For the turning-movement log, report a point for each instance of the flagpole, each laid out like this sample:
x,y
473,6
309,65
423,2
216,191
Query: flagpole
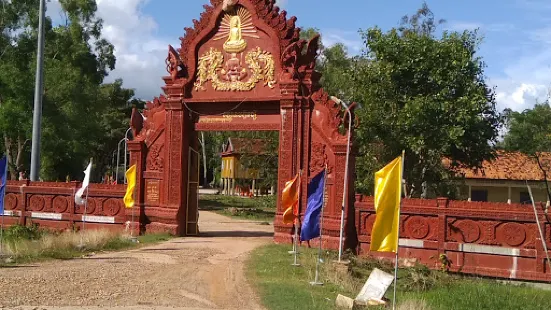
x,y
539,224
295,263
85,206
316,279
398,236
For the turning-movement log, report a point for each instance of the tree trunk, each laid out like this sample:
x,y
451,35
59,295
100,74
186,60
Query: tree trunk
x,y
11,166
21,143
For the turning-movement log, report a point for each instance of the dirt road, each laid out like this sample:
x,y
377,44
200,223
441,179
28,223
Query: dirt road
x,y
184,273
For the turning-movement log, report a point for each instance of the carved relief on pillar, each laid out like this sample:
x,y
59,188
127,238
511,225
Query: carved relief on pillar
x,y
155,158
175,153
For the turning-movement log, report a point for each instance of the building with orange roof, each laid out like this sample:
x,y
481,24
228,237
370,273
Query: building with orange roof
x,y
504,178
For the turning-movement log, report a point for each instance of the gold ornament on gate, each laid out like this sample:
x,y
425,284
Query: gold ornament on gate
x,y
236,24
231,72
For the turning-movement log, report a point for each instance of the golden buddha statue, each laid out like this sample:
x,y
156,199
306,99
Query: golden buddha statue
x,y
236,24
235,42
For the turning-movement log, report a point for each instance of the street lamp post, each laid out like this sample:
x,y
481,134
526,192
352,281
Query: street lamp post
x,y
38,93
345,192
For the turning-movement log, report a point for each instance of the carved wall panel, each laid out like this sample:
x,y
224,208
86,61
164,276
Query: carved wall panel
x,y
493,239
10,201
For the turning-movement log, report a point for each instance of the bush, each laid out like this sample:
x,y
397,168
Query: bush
x,y
18,232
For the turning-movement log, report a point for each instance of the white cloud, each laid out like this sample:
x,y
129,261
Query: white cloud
x,y
527,79
139,50
350,39
461,26
281,3
518,95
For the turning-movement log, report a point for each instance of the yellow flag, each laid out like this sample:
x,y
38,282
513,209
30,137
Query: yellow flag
x,y
388,185
131,179
289,200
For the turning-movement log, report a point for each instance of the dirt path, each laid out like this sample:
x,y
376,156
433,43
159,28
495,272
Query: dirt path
x,y
184,273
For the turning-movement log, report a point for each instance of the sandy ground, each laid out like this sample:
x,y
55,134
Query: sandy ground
x,y
185,273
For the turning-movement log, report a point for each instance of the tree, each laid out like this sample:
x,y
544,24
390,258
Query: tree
x,y
529,131
266,162
82,117
425,95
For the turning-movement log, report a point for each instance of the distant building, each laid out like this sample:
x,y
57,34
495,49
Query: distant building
x,y
504,179
232,168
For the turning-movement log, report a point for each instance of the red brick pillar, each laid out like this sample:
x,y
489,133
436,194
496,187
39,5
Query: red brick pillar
x,y
137,157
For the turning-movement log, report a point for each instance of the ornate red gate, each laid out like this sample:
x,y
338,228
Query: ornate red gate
x,y
242,66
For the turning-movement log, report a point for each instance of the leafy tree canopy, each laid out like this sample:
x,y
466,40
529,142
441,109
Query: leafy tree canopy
x,y
419,92
82,117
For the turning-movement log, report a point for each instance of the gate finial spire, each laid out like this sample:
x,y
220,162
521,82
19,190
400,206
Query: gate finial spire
x,y
228,5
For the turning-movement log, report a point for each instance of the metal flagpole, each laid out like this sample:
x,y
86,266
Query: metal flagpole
x,y
293,251
398,237
38,94
316,280
539,224
295,263
345,191
132,238
84,216
85,206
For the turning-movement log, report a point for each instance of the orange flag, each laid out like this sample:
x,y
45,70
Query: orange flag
x,y
289,200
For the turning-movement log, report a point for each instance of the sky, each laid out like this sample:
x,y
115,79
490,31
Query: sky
x,y
516,44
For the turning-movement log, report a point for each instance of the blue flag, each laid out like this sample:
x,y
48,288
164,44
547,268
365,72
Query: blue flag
x,y
311,223
3,181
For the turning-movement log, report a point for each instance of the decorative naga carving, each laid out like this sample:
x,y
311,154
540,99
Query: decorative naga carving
x,y
153,118
309,58
327,115
227,75
136,122
291,58
174,64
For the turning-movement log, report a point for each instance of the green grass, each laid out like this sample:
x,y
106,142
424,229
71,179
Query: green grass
x,y
257,209
26,244
282,286
483,294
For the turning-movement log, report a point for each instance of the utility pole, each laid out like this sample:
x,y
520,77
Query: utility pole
x,y
38,93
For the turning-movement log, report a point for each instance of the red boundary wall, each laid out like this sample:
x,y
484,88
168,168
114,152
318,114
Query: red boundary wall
x,y
52,206
488,239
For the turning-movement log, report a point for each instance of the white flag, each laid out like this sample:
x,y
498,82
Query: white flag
x,y
78,196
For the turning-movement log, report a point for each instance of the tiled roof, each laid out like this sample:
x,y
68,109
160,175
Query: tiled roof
x,y
510,166
242,146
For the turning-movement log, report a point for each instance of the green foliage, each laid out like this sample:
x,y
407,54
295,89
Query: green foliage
x,y
529,131
19,232
282,286
82,117
266,162
419,93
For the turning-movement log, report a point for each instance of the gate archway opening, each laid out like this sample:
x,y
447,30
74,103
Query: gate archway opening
x,y
241,58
